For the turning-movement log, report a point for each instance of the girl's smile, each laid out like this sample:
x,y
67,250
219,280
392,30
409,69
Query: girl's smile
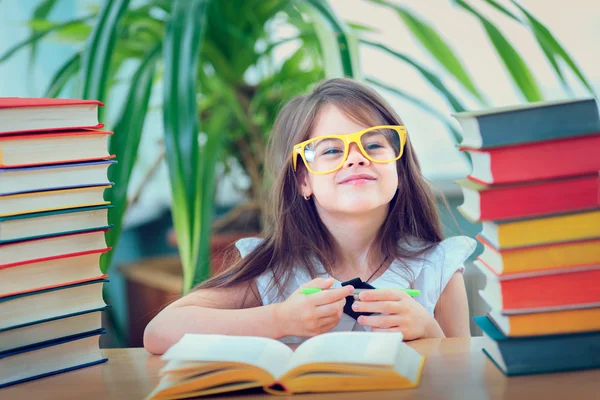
x,y
358,179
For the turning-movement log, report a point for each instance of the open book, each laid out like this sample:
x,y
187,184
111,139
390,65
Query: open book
x,y
201,365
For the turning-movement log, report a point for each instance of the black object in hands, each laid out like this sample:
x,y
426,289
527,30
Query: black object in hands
x,y
357,283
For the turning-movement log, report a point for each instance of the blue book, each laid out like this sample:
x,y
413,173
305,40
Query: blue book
x,y
539,354
528,123
54,177
50,303
51,358
43,331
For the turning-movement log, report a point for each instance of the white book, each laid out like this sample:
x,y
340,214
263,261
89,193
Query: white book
x,y
53,148
24,226
50,303
27,203
55,246
53,177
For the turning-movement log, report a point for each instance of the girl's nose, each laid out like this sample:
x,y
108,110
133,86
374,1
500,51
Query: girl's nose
x,y
355,156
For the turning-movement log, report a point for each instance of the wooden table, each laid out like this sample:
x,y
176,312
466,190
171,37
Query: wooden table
x,y
454,369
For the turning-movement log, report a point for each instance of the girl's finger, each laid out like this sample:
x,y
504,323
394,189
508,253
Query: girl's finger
x,y
329,310
390,329
382,294
330,296
328,323
319,282
390,307
378,321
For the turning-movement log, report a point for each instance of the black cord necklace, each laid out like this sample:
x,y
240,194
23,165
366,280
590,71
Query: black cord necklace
x,y
378,268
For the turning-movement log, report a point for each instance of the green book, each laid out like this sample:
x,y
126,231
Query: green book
x,y
21,227
528,123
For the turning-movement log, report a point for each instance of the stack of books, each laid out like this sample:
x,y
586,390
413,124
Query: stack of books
x,y
53,217
535,188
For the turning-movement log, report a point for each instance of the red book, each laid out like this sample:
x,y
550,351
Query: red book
x,y
18,114
500,202
544,290
536,161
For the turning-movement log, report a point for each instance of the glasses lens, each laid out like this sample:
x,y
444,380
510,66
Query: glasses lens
x,y
381,144
325,154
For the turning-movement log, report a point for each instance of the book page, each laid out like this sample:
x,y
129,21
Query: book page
x,y
408,363
268,354
378,348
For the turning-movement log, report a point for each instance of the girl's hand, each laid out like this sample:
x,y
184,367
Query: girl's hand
x,y
308,315
404,314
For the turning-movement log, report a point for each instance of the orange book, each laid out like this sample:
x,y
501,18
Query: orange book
x,y
548,322
536,258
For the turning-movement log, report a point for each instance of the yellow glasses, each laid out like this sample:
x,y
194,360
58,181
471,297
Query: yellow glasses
x,y
325,154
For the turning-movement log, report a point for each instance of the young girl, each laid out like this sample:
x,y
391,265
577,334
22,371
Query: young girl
x,y
349,201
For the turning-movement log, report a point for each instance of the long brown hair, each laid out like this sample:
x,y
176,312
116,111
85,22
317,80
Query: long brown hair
x,y
294,234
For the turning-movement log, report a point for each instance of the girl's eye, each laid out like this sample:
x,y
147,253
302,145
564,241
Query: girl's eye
x,y
332,151
373,146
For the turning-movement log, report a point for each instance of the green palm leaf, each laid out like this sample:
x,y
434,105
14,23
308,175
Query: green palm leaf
x,y
427,74
124,144
550,55
419,103
98,52
181,48
63,75
210,153
436,46
552,49
503,10
40,35
40,12
517,68
339,46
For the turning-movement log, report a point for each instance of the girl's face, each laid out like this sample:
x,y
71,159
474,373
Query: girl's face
x,y
360,185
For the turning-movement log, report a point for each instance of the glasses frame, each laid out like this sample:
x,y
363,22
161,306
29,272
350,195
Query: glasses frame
x,y
348,139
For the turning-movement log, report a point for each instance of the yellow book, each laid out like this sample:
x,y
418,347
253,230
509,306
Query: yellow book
x,y
537,258
548,323
200,365
545,230
49,200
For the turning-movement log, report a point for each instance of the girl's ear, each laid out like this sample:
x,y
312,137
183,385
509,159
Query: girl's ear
x,y
303,182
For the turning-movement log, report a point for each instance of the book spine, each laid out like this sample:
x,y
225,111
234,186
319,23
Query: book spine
x,y
52,373
539,355
545,160
555,229
550,197
566,289
540,124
